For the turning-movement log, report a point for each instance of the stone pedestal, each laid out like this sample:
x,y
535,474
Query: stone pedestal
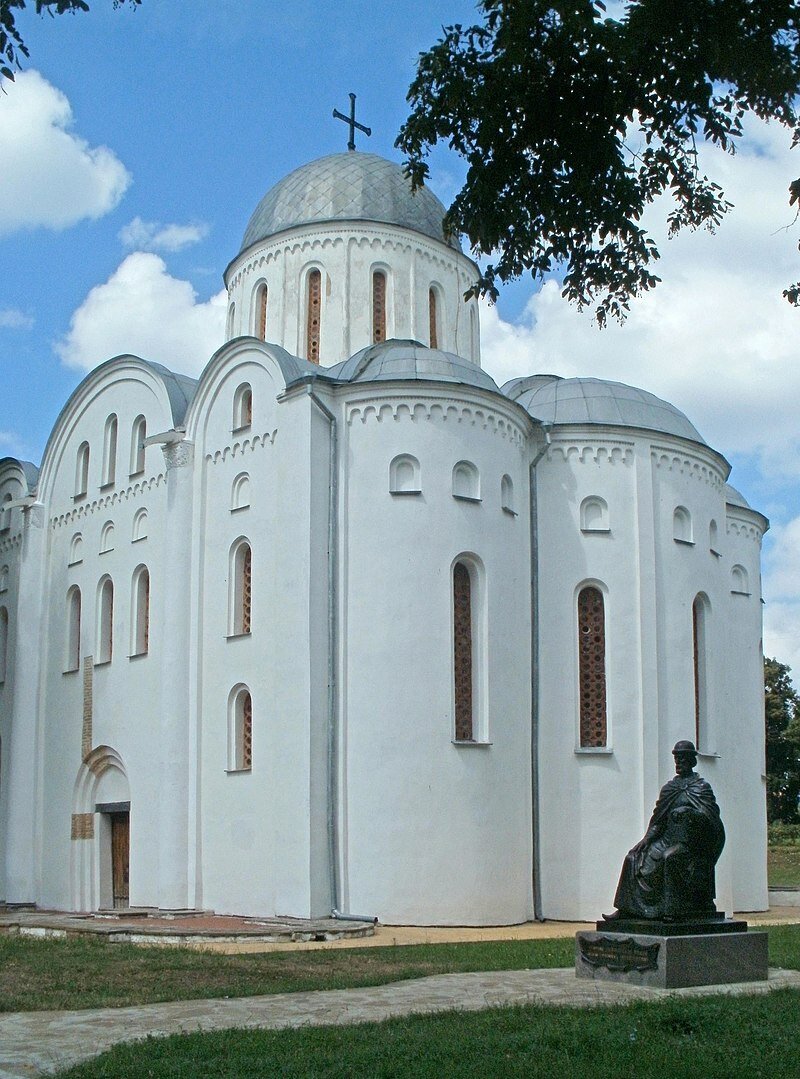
x,y
672,962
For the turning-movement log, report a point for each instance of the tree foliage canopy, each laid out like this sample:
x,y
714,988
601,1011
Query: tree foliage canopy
x,y
782,714
12,47
572,122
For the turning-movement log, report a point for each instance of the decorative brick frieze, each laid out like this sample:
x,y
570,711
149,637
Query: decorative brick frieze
x,y
595,452
669,460
236,449
442,411
88,509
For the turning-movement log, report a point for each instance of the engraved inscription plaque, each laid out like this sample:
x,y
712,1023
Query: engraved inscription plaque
x,y
619,954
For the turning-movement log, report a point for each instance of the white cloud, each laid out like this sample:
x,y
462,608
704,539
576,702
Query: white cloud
x,y
11,318
141,309
51,176
153,236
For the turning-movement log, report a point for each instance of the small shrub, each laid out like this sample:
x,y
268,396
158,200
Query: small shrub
x,y
783,835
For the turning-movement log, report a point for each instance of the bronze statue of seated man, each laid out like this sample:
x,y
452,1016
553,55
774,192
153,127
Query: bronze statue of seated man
x,y
669,874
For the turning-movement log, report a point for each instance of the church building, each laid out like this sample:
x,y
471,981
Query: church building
x,y
344,625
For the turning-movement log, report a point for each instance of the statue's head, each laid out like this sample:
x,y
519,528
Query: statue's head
x,y
685,756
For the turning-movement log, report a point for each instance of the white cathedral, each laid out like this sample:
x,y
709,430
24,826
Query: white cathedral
x,y
343,625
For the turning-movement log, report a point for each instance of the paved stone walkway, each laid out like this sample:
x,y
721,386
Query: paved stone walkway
x,y
36,1043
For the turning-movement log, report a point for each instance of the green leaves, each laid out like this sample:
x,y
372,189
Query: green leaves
x,y
572,123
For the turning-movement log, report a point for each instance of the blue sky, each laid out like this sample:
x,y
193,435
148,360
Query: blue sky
x,y
137,143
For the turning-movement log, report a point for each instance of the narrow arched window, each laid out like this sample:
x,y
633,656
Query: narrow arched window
x,y
507,494
240,492
378,306
463,653
242,407
5,514
72,659
231,317
313,316
433,317
700,662
594,514
107,537
261,312
105,621
140,610
592,668
76,549
241,587
3,578
139,525
240,730
466,481
739,580
110,452
473,333
3,642
82,470
138,435
404,475
682,525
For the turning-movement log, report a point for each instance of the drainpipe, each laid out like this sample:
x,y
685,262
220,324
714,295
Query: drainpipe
x,y
534,536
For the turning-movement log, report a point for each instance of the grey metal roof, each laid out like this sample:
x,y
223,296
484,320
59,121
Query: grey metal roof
x,y
395,359
29,471
555,400
180,388
735,498
347,187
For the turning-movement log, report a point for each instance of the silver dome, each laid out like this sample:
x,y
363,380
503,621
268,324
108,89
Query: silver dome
x,y
556,400
347,187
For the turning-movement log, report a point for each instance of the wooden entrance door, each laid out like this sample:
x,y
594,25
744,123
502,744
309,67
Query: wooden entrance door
x,y
120,858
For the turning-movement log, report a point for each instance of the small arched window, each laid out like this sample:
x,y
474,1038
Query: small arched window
x,y
240,492
713,537
378,306
404,475
474,336
82,470
231,318
107,537
241,589
466,481
434,316
140,611
3,578
592,668
72,659
240,730
261,312
740,581
507,494
76,549
139,525
313,315
682,525
110,452
700,609
105,621
138,435
594,514
242,407
3,642
5,514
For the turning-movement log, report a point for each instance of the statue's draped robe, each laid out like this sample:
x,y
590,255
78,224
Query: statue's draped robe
x,y
672,876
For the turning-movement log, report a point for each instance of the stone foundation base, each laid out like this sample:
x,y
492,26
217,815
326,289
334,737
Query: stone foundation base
x,y
672,962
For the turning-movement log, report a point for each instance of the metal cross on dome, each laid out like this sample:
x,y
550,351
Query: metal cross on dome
x,y
353,123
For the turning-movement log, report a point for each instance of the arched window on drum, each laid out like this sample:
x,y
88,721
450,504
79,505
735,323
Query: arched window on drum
x,y
591,619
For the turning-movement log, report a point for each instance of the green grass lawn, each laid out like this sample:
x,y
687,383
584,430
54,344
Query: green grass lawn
x,y
91,973
783,866
82,972
713,1038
